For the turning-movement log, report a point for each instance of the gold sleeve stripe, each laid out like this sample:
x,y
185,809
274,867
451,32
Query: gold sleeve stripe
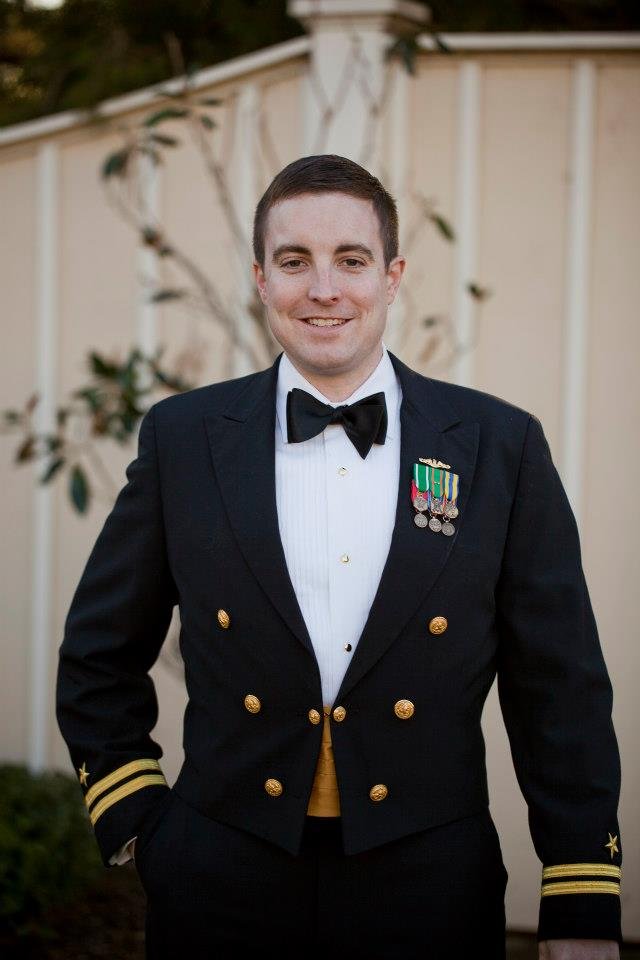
x,y
579,886
150,780
582,869
116,776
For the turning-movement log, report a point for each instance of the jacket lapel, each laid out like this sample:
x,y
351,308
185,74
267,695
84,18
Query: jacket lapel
x,y
429,427
242,446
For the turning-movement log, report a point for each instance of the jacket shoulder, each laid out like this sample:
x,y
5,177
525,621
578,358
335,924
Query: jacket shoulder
x,y
211,398
486,408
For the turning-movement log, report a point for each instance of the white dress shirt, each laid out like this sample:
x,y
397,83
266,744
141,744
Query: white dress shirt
x,y
336,514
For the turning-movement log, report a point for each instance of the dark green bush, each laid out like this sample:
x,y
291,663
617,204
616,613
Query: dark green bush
x,y
47,848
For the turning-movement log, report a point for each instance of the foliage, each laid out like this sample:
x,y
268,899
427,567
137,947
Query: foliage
x,y
47,848
88,50
109,406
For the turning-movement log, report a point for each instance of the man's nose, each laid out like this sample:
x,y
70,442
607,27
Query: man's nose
x,y
323,287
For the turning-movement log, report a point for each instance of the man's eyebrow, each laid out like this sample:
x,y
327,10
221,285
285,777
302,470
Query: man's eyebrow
x,y
341,248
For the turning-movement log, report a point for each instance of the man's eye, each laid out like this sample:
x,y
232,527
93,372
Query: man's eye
x,y
358,263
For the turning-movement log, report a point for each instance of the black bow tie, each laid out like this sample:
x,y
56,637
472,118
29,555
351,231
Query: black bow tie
x,y
364,422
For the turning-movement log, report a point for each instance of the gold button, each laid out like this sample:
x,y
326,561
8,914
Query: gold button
x,y
378,792
404,709
345,558
252,703
314,716
223,618
339,714
438,625
342,471
273,787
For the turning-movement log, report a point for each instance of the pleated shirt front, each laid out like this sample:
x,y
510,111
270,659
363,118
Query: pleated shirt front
x,y
336,514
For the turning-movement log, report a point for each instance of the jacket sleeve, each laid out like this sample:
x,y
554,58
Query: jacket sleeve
x,y
556,701
118,619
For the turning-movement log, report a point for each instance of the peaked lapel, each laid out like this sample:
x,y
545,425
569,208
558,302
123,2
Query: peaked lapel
x,y
242,444
429,427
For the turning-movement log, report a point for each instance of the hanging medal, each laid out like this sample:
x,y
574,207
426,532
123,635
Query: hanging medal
x,y
434,490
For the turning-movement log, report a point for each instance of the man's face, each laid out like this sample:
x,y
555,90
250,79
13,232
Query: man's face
x,y
324,261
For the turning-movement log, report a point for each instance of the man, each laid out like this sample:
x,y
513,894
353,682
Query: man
x,y
356,551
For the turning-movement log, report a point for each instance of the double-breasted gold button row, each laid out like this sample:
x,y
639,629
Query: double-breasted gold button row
x,y
377,792
402,709
437,625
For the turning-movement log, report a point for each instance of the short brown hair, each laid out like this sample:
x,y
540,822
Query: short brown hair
x,y
328,173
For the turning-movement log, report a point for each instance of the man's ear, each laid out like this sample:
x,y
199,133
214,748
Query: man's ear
x,y
394,276
258,274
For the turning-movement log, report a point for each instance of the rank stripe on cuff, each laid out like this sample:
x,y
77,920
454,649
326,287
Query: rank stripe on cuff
x,y
120,773
582,870
579,886
149,780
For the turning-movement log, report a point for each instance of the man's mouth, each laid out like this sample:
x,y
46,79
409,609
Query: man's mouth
x,y
326,321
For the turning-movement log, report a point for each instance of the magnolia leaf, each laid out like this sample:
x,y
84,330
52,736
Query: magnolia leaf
x,y
102,367
116,163
207,122
210,101
26,450
443,226
55,464
167,113
161,296
79,488
163,139
478,292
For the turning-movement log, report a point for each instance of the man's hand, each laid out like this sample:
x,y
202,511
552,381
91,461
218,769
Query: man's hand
x,y
578,950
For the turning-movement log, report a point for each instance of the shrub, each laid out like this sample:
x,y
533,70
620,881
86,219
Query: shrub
x,y
47,849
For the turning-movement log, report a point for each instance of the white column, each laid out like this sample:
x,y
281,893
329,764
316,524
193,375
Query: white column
x,y
40,701
578,283
466,216
398,134
346,71
148,262
244,196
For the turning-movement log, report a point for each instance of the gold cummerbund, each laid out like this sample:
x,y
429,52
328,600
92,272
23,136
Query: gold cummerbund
x,y
325,799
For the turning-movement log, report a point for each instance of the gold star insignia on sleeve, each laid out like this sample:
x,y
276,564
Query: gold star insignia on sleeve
x,y
83,773
612,846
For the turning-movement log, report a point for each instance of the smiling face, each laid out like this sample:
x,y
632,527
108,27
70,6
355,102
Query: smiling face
x,y
325,287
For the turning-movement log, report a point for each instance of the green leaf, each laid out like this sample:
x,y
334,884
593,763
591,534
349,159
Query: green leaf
x,y
443,226
207,122
210,101
55,464
167,113
12,416
101,367
163,139
26,450
161,296
79,488
478,292
116,163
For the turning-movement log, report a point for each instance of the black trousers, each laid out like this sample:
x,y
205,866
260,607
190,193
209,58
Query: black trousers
x,y
212,889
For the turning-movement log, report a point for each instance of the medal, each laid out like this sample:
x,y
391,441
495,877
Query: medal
x,y
434,489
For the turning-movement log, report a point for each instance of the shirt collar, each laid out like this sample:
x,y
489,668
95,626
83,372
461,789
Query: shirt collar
x,y
383,378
